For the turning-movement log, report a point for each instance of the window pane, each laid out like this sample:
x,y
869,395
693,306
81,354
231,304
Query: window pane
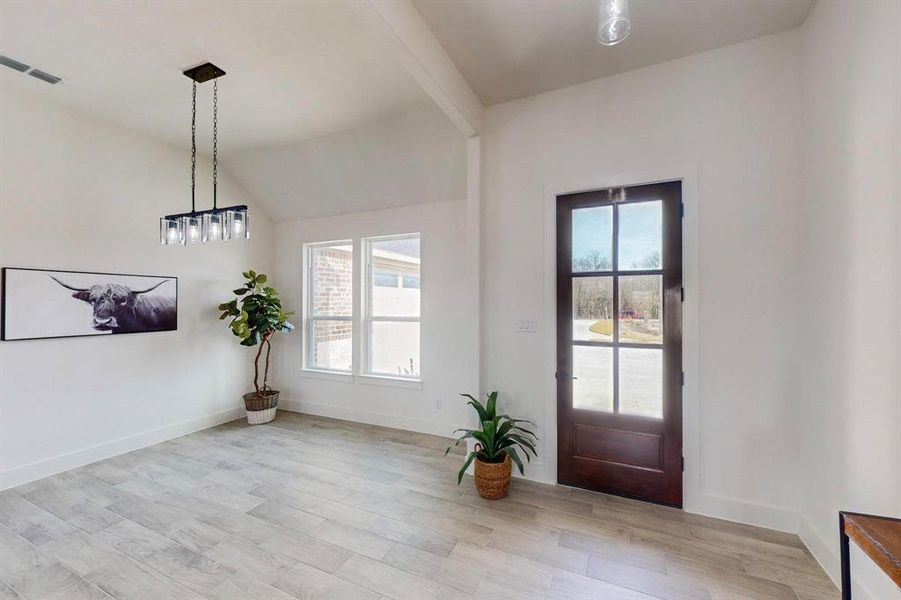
x,y
397,258
641,309
593,378
330,345
331,292
641,382
640,236
592,231
395,348
593,308
380,279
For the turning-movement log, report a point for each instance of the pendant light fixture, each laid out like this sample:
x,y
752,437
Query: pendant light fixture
x,y
215,224
613,21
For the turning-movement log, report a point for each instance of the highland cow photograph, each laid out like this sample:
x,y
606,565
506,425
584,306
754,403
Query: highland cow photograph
x,y
39,304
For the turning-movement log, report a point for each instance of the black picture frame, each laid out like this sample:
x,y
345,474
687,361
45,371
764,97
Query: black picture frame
x,y
4,292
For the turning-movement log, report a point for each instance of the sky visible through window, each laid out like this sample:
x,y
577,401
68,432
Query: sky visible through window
x,y
641,227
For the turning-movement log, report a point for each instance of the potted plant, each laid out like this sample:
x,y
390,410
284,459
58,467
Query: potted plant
x,y
257,315
495,450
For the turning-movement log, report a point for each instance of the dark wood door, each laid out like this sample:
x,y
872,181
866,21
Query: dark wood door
x,y
619,341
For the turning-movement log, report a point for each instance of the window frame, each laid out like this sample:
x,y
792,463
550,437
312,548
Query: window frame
x,y
367,318
309,318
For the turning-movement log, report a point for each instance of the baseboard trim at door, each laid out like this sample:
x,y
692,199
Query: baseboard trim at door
x,y
26,473
744,511
370,418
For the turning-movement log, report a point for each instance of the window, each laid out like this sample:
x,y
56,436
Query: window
x,y
391,306
328,330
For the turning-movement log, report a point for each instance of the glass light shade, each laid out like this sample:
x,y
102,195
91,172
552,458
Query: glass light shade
x,y
238,224
171,231
192,228
214,229
613,22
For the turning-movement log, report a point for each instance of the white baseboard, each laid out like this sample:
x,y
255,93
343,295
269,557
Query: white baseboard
x,y
743,511
371,418
63,462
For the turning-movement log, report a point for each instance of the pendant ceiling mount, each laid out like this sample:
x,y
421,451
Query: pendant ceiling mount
x,y
215,224
205,72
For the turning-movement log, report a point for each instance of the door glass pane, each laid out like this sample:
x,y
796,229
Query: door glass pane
x,y
592,239
640,236
395,266
593,308
593,378
395,348
330,345
641,309
641,382
332,280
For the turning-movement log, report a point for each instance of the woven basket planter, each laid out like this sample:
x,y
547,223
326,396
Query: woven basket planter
x,y
260,408
493,479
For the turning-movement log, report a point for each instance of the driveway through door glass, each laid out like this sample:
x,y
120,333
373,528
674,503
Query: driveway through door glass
x,y
619,341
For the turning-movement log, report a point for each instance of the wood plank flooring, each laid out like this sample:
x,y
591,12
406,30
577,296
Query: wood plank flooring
x,y
320,509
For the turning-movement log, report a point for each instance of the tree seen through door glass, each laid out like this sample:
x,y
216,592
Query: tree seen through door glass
x,y
593,308
641,309
592,239
640,236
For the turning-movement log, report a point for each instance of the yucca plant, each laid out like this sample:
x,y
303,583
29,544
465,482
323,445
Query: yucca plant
x,y
499,437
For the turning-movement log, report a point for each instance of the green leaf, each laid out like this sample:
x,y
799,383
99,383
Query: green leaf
x,y
251,274
513,455
483,415
260,279
492,404
240,291
466,464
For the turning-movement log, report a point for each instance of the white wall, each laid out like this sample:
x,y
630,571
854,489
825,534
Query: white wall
x,y
850,407
417,156
728,121
446,339
80,194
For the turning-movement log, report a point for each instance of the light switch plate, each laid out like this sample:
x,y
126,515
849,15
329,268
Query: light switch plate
x,y
525,325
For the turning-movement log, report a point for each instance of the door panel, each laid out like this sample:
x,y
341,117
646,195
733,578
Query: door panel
x,y
619,341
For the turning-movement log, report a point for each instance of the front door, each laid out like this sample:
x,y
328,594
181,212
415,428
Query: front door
x,y
619,341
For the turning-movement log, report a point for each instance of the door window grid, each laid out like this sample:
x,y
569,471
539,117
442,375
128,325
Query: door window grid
x,y
616,273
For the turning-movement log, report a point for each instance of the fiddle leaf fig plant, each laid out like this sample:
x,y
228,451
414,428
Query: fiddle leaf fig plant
x,y
498,437
256,315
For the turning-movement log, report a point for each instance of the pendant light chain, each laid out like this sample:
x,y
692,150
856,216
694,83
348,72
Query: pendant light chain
x,y
215,134
193,144
212,224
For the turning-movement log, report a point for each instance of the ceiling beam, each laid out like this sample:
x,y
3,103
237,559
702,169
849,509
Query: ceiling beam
x,y
406,33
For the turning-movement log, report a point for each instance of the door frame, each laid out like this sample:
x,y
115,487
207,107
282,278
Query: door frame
x,y
689,175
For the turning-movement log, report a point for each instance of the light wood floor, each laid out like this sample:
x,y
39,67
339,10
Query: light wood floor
x,y
313,508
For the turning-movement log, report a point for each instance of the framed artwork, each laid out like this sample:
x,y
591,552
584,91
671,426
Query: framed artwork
x,y
41,303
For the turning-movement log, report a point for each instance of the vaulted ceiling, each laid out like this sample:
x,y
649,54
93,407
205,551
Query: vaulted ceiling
x,y
508,49
326,108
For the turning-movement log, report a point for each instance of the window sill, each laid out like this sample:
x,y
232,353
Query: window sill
x,y
340,376
385,380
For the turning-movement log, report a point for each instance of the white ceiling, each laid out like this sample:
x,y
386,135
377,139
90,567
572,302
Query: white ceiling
x,y
296,70
416,157
508,49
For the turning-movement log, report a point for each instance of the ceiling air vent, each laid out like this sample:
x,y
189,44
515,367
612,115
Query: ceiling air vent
x,y
44,76
13,64
23,68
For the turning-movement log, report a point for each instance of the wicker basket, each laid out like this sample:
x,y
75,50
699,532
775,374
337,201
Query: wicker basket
x,y
493,479
260,408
